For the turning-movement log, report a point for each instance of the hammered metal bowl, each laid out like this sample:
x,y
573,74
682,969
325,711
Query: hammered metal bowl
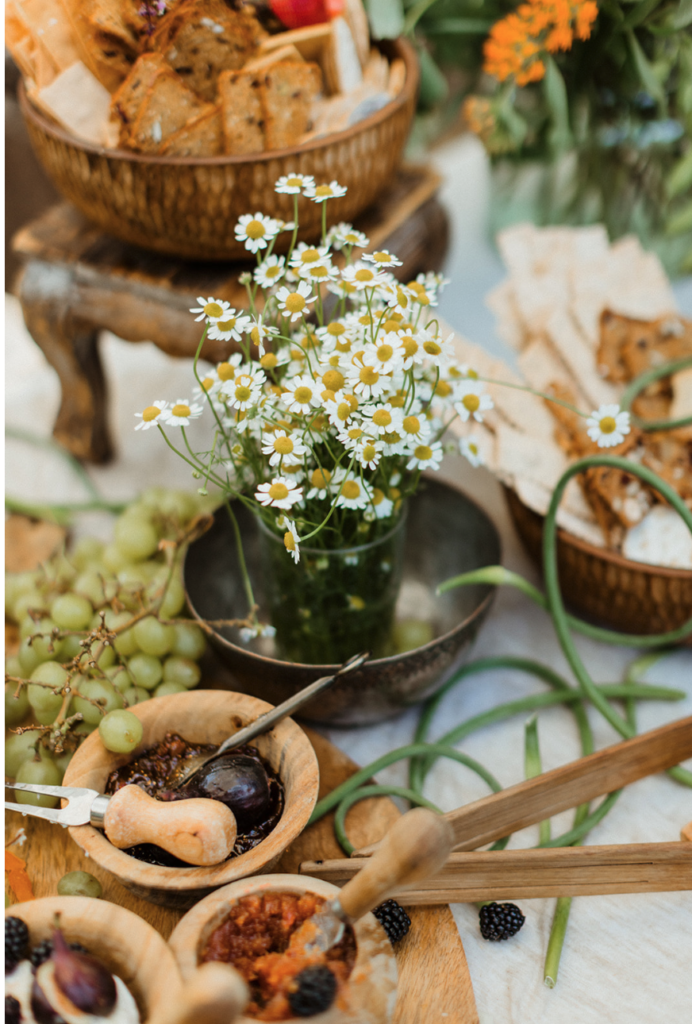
x,y
447,534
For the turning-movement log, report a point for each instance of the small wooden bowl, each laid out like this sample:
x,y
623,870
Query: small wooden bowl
x,y
630,597
372,983
189,207
200,716
125,944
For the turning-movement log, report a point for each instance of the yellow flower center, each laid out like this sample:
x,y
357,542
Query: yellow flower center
x,y
324,190
398,401
269,361
255,229
333,379
355,433
320,423
255,335
295,302
297,353
364,274
377,496
343,346
309,256
369,452
150,413
356,603
473,447
283,445
391,325
302,394
319,272
207,383
320,478
351,490
411,424
472,374
382,418
351,238
607,425
343,412
227,325
294,182
402,298
381,257
289,541
432,348
392,438
181,410
273,271
348,288
278,492
385,352
243,393
213,309
443,389
336,329
368,376
471,402
225,371
423,452
327,395
410,346
365,320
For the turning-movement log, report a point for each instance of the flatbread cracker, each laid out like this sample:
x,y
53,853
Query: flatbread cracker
x,y
242,116
166,109
340,63
287,93
51,30
78,102
201,137
127,100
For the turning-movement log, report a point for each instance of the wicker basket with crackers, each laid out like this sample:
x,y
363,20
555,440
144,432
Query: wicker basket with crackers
x,y
114,86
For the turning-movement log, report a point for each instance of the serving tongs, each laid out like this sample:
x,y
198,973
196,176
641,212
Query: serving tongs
x,y
568,871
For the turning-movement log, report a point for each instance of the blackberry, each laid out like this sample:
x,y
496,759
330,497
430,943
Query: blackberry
x,y
13,1011
16,941
500,921
315,992
42,952
393,919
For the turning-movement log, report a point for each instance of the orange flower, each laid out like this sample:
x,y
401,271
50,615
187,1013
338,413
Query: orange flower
x,y
514,48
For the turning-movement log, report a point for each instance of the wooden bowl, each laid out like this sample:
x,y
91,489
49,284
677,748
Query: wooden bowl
x,y
200,716
630,597
126,945
372,983
189,207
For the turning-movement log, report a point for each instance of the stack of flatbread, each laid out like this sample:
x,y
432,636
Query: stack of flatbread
x,y
203,79
587,317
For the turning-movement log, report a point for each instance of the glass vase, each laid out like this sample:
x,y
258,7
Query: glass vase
x,y
333,603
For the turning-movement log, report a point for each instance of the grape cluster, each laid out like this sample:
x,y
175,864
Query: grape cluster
x,y
107,620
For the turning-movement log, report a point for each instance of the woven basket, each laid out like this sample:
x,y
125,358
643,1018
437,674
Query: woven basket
x,y
630,597
189,207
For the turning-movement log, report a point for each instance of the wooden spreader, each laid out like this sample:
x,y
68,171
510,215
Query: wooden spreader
x,y
570,871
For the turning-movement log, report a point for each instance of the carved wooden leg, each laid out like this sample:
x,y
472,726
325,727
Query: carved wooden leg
x,y
70,346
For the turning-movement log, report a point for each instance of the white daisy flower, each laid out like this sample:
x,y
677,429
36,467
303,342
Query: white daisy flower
x,y
341,409
320,480
210,309
420,294
256,231
608,425
293,304
293,184
292,540
345,234
415,429
468,447
369,452
426,456
353,493
351,436
183,412
361,276
270,271
272,360
209,387
472,400
309,255
320,193
383,506
437,350
319,273
365,379
243,391
282,445
395,443
280,493
151,416
386,354
231,327
382,258
347,290
384,417
260,332
302,394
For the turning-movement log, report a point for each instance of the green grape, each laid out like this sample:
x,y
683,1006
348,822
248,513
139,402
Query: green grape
x,y
48,717
13,666
27,627
183,671
40,697
18,747
100,690
16,584
136,538
120,678
153,637
70,648
174,599
97,587
70,611
114,559
189,641
63,761
28,657
86,551
146,670
133,580
80,883
30,599
59,569
105,659
16,708
84,728
46,648
41,773
136,695
125,643
165,689
120,731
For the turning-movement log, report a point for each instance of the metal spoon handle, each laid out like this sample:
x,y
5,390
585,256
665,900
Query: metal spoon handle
x,y
270,718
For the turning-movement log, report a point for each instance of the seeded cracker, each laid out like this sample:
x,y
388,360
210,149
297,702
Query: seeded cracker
x,y
242,118
126,102
287,93
201,136
166,109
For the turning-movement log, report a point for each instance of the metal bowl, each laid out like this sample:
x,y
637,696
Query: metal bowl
x,y
447,534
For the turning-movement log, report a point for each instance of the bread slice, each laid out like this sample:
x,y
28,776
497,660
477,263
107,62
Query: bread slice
x,y
287,94
127,100
340,61
202,136
106,36
166,108
309,41
267,60
242,116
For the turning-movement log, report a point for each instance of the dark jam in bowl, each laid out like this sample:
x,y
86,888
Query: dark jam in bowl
x,y
152,770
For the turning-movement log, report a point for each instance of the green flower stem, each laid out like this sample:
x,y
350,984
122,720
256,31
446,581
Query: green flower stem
x,y
533,767
556,941
649,377
362,794
497,575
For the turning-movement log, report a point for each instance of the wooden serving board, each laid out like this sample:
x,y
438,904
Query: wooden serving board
x,y
434,982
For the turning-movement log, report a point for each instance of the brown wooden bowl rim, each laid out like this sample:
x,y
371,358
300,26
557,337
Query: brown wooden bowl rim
x,y
404,49
610,556
293,821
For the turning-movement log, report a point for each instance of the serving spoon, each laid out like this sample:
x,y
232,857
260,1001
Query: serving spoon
x,y
187,769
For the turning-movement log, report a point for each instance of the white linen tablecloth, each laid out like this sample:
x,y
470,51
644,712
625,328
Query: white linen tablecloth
x,y
627,959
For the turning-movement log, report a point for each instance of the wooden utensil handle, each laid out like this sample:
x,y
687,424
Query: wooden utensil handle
x,y
215,995
200,832
415,847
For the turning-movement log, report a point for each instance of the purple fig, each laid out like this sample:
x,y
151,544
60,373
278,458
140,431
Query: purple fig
x,y
82,978
238,781
41,1007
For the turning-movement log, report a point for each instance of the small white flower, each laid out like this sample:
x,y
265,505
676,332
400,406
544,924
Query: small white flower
x,y
361,276
281,445
351,436
210,309
309,255
382,258
260,332
472,400
439,351
608,425
256,231
293,304
415,429
270,271
151,416
383,506
345,234
353,493
369,452
280,493
426,456
319,273
320,480
468,447
320,193
386,354
420,294
209,388
365,379
341,409
183,412
292,540
302,394
293,184
231,327
384,418
244,390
